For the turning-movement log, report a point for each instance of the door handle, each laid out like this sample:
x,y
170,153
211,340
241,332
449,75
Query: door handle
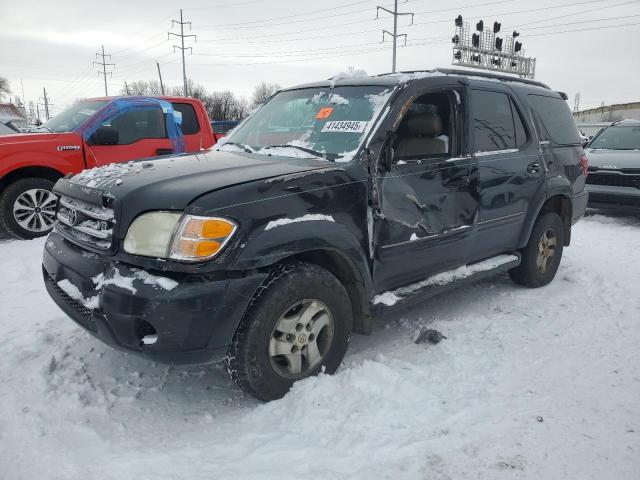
x,y
164,151
533,168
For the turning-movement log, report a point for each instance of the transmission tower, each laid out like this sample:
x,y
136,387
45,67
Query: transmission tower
x,y
104,65
395,33
576,103
182,48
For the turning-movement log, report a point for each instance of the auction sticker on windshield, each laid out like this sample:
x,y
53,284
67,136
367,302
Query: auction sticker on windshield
x,y
345,126
324,113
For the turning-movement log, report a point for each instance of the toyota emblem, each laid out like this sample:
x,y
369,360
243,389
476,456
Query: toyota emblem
x,y
72,217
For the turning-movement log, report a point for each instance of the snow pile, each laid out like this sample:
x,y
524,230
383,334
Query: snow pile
x,y
309,217
347,75
530,384
109,175
74,292
126,282
333,98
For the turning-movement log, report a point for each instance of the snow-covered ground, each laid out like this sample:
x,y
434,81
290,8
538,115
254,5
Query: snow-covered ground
x,y
529,384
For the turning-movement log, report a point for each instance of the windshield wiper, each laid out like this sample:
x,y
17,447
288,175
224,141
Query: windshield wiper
x,y
246,148
304,149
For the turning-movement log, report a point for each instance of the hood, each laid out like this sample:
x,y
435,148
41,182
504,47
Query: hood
x,y
613,159
172,182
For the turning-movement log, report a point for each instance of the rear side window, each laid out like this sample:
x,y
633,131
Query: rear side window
x,y
496,123
190,123
557,119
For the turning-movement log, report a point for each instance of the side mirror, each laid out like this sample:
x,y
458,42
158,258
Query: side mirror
x,y
104,136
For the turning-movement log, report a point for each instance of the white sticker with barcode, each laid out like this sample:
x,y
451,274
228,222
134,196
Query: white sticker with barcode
x,y
347,126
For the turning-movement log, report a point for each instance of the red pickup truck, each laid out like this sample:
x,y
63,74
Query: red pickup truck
x,y
91,133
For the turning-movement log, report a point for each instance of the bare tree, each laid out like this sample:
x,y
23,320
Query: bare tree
x,y
142,87
262,93
4,87
219,105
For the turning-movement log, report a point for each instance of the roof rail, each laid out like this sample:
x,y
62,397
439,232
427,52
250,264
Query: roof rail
x,y
469,73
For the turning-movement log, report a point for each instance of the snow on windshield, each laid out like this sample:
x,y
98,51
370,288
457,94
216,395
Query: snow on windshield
x,y
329,123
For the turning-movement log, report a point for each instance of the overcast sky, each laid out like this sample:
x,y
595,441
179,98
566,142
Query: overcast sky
x,y
52,43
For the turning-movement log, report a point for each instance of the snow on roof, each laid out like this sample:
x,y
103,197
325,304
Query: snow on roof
x,y
10,111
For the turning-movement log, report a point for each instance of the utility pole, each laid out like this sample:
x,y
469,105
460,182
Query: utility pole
x,y
46,103
104,65
395,33
182,48
160,75
126,87
23,100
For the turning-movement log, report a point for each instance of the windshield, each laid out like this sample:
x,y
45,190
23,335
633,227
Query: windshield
x,y
618,138
73,116
314,122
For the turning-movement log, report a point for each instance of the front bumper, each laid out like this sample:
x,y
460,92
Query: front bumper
x,y
613,197
194,322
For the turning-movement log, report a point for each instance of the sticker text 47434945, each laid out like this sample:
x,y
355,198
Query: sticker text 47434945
x,y
346,126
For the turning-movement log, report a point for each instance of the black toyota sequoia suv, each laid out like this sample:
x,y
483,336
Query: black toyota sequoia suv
x,y
333,201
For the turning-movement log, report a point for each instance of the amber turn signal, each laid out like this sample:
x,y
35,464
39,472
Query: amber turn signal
x,y
200,238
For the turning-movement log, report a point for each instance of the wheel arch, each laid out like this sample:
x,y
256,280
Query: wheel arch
x,y
557,202
30,172
329,245
342,267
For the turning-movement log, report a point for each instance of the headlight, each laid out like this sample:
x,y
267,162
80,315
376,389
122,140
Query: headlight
x,y
177,236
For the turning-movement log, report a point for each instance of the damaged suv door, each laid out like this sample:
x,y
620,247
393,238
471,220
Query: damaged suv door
x,y
428,188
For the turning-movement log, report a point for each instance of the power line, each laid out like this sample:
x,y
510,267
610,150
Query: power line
x,y
436,40
182,48
395,33
104,68
268,38
266,21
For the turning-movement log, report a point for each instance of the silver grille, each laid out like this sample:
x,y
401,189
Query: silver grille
x,y
84,223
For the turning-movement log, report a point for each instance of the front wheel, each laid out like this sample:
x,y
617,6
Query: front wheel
x,y
541,257
297,325
28,208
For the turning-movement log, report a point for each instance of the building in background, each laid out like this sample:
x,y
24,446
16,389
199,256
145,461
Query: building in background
x,y
609,113
13,116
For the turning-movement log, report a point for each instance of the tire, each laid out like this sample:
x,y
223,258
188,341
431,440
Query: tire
x,y
21,197
292,295
541,257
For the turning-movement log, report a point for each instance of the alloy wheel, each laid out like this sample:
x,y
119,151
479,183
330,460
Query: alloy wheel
x,y
546,250
301,338
35,210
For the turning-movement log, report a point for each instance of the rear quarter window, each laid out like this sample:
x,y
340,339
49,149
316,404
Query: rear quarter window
x,y
190,123
557,119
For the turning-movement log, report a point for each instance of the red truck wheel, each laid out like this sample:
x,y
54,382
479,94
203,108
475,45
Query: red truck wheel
x,y
28,208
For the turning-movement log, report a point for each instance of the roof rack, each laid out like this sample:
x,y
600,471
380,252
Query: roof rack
x,y
468,73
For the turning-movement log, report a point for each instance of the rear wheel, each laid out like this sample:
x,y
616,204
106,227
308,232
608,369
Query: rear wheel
x,y
541,257
28,207
297,325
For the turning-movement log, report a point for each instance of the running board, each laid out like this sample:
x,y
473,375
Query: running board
x,y
415,293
